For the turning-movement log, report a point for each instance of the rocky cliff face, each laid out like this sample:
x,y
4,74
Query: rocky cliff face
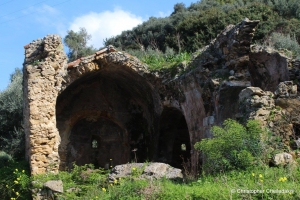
x,y
108,108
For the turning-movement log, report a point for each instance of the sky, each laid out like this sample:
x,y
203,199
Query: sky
x,y
22,21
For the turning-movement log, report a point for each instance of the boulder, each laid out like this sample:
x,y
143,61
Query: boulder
x,y
250,91
283,159
286,89
146,171
55,186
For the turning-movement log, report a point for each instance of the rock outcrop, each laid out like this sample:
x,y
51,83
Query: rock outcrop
x,y
145,171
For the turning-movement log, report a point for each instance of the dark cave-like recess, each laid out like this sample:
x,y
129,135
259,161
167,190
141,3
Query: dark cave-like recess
x,y
103,116
174,141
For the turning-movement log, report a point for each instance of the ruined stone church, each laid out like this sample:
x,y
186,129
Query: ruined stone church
x,y
109,109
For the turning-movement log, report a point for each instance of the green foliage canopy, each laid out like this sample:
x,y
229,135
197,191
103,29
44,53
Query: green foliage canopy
x,y
189,28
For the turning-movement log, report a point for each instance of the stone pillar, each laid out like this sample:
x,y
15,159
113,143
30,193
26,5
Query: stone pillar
x,y
194,112
44,66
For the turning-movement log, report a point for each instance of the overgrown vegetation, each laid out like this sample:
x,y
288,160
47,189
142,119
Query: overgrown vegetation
x,y
157,60
257,182
190,28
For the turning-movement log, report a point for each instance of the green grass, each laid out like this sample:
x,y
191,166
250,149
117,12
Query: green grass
x,y
85,182
157,60
231,185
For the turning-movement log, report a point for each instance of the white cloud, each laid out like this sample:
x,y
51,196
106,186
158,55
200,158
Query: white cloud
x,y
48,17
43,9
105,24
48,9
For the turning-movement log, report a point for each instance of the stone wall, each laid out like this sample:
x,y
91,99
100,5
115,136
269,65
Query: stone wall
x,y
44,66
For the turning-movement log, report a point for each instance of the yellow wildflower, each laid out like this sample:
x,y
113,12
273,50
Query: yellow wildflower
x,y
23,171
115,181
18,179
17,193
16,182
133,168
262,181
282,179
103,189
260,176
7,186
253,174
111,184
16,170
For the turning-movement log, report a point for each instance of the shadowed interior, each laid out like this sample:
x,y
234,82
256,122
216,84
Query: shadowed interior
x,y
174,141
105,115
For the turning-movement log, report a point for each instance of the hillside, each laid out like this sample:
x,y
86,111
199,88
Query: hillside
x,y
193,27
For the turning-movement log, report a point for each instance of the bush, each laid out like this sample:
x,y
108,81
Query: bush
x,y
281,41
15,181
232,147
4,159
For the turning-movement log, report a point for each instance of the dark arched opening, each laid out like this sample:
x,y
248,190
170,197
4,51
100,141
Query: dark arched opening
x,y
97,142
103,116
174,140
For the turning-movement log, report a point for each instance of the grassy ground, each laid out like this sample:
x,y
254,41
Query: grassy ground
x,y
257,183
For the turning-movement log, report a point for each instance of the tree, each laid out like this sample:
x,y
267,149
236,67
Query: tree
x,y
77,44
179,7
11,117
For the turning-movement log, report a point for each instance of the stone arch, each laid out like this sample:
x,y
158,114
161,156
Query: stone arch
x,y
174,141
112,103
61,98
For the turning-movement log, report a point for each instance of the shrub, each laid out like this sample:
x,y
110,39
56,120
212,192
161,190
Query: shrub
x,y
15,181
281,41
4,159
232,147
